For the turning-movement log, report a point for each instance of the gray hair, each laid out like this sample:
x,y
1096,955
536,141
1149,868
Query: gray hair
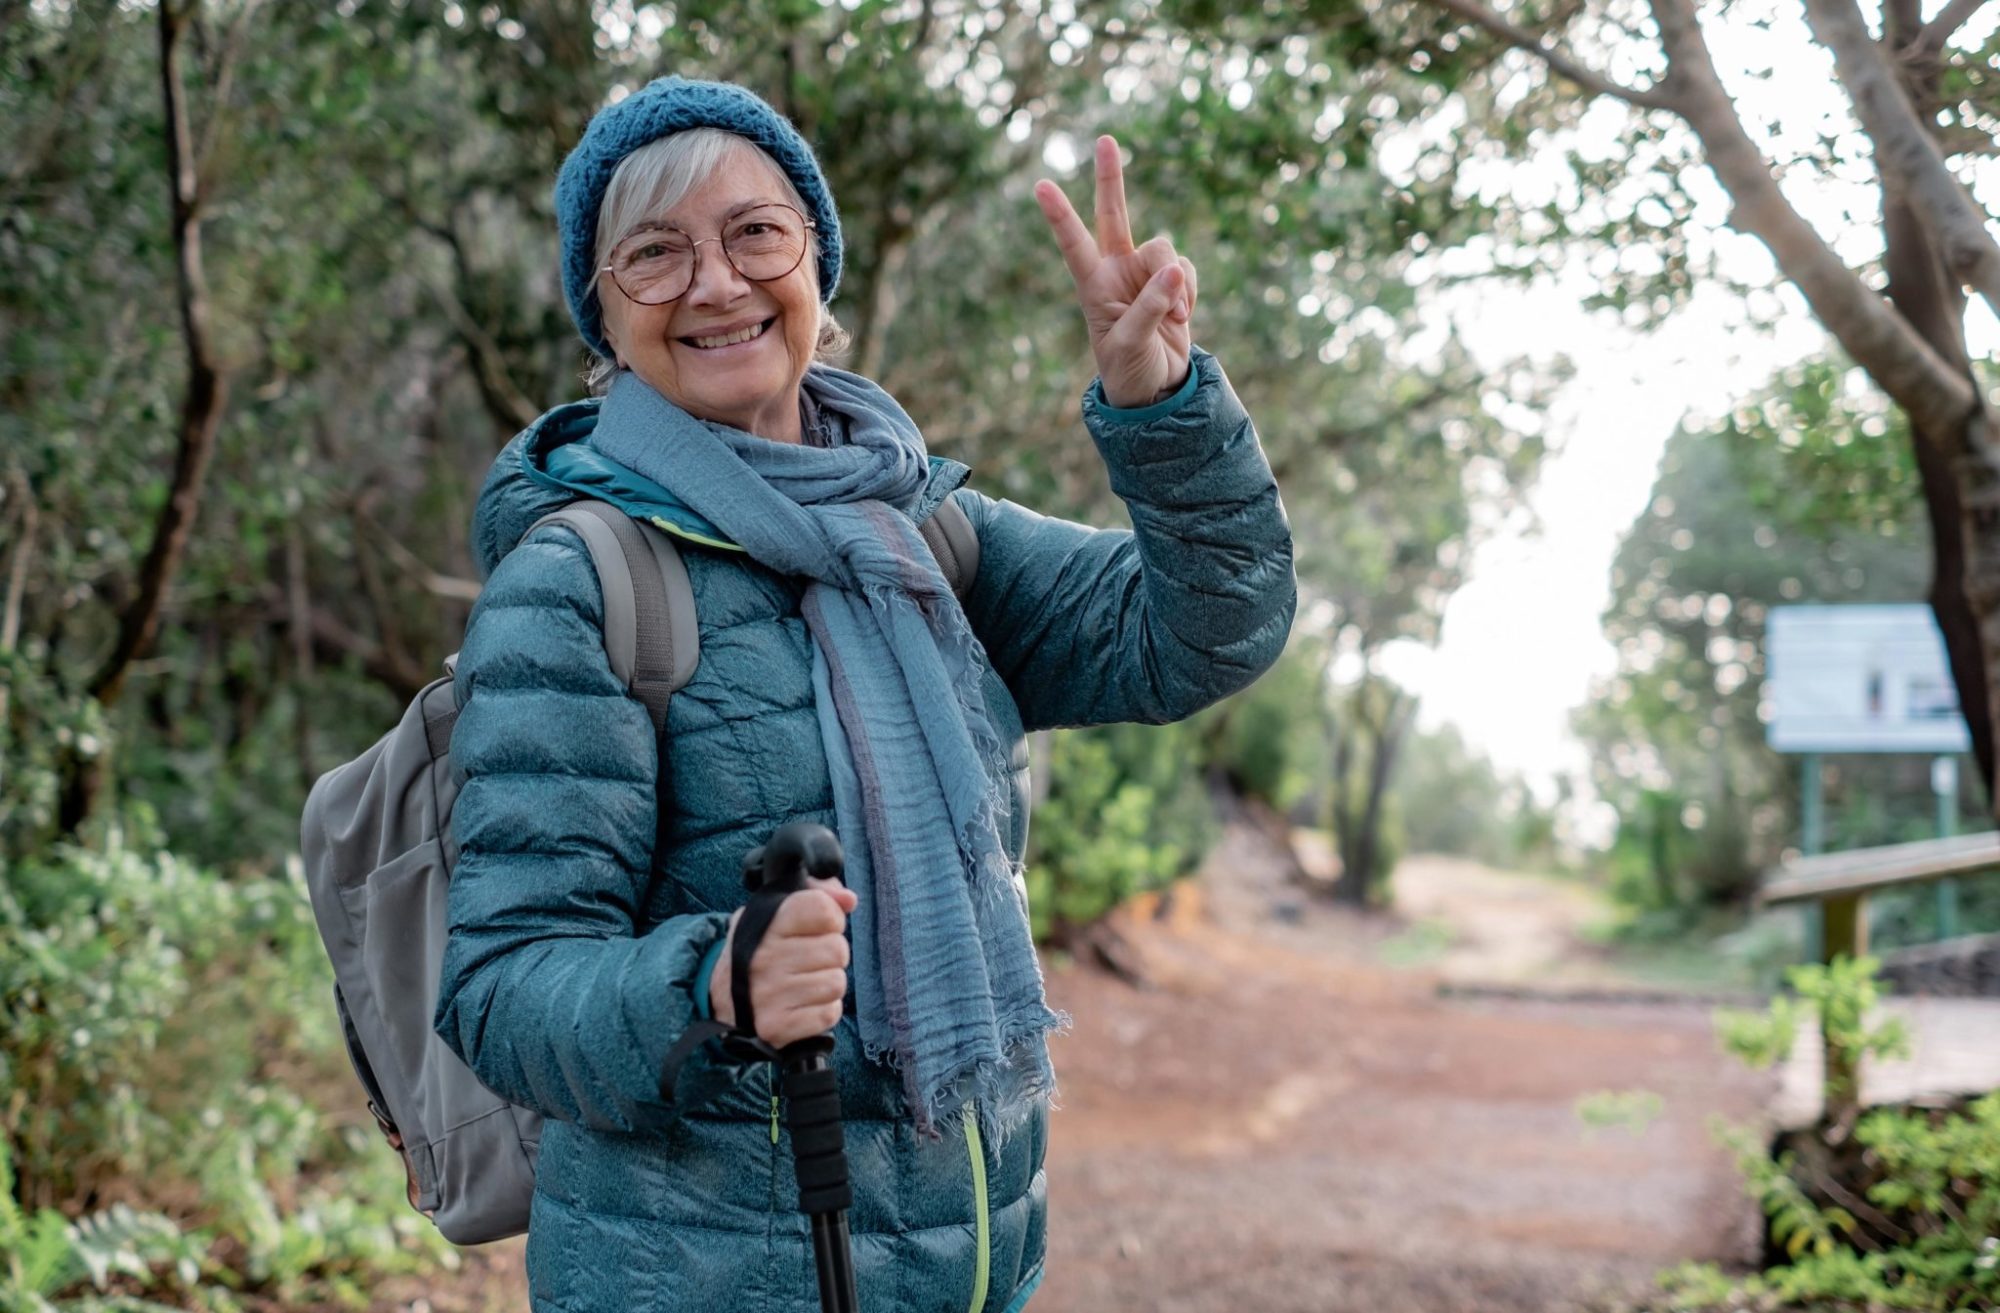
x,y
655,178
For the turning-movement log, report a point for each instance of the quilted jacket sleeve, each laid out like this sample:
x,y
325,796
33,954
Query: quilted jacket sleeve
x,y
547,991
1092,626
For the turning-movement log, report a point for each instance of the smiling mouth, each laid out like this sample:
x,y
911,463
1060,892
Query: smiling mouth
x,y
749,334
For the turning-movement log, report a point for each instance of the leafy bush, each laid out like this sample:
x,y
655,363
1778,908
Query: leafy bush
x,y
1903,1213
42,724
165,1028
1126,812
1453,799
1269,742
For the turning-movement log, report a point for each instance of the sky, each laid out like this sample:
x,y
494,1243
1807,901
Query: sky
x,y
1522,642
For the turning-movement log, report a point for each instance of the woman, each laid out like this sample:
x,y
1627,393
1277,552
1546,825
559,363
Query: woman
x,y
839,681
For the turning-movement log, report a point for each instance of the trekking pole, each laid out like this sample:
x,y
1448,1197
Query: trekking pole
x,y
812,1094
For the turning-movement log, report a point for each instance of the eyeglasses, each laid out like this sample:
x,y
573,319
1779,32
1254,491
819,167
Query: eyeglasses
x,y
656,264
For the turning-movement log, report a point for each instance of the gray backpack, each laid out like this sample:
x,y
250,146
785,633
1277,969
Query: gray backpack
x,y
377,841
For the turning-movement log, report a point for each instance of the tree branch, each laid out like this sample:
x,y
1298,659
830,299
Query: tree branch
x,y
400,675
225,80
21,491
1875,336
505,402
1931,41
1908,158
1539,45
298,598
435,583
207,386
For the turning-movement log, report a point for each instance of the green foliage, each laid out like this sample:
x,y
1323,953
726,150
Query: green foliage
x,y
1126,812
1839,995
162,1024
1453,800
1629,1110
1264,742
40,1255
1914,1223
1745,515
45,1254
40,722
138,992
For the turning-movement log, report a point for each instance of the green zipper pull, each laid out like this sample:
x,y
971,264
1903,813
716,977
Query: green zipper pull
x,y
774,1117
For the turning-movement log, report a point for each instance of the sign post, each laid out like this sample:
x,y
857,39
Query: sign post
x,y
1944,783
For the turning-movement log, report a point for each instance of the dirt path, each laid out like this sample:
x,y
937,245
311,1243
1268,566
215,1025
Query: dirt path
x,y
1292,1119
1284,1123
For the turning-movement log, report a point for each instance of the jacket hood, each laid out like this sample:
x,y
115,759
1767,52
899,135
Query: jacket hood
x,y
551,463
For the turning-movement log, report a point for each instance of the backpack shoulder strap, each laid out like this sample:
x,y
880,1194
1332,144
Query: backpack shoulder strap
x,y
948,531
649,618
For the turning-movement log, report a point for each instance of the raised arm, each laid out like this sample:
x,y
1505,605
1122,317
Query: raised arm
x,y
1091,626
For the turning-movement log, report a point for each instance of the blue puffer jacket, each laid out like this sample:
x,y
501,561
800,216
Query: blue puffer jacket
x,y
598,867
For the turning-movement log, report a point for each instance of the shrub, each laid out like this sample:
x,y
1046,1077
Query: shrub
x,y
1269,741
1126,812
165,1028
1901,1213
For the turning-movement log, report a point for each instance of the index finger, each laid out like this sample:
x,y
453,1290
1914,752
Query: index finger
x,y
1078,249
1114,225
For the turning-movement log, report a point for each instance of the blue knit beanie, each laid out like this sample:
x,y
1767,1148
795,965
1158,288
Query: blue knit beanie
x,y
663,107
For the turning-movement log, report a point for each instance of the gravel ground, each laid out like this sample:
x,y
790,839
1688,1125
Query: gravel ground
x,y
1281,1122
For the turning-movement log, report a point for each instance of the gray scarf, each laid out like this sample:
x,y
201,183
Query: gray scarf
x,y
947,986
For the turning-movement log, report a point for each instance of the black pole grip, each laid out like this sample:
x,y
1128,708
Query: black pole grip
x,y
799,849
812,1110
772,872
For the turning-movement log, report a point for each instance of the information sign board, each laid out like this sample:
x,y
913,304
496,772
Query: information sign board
x,y
1863,678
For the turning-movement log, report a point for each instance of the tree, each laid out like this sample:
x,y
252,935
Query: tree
x,y
1423,470
1452,799
1921,106
380,253
1780,502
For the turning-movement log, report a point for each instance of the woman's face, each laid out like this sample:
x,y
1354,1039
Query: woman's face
x,y
751,385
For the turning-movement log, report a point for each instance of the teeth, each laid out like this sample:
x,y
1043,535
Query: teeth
x,y
755,330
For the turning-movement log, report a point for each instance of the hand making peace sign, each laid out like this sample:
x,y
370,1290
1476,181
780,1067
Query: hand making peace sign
x,y
1137,302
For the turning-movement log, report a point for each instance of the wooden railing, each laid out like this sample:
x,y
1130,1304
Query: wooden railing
x,y
1841,882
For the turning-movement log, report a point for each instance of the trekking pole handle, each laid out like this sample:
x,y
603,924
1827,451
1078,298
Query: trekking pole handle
x,y
779,868
799,849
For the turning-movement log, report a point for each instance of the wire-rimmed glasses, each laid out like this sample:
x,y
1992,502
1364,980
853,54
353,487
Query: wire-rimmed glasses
x,y
656,264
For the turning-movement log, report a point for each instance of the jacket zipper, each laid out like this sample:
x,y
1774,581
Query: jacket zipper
x,y
982,1263
982,1228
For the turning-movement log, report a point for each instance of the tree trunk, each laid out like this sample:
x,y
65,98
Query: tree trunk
x,y
27,523
202,407
1382,767
880,299
1340,810
1976,464
1933,303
